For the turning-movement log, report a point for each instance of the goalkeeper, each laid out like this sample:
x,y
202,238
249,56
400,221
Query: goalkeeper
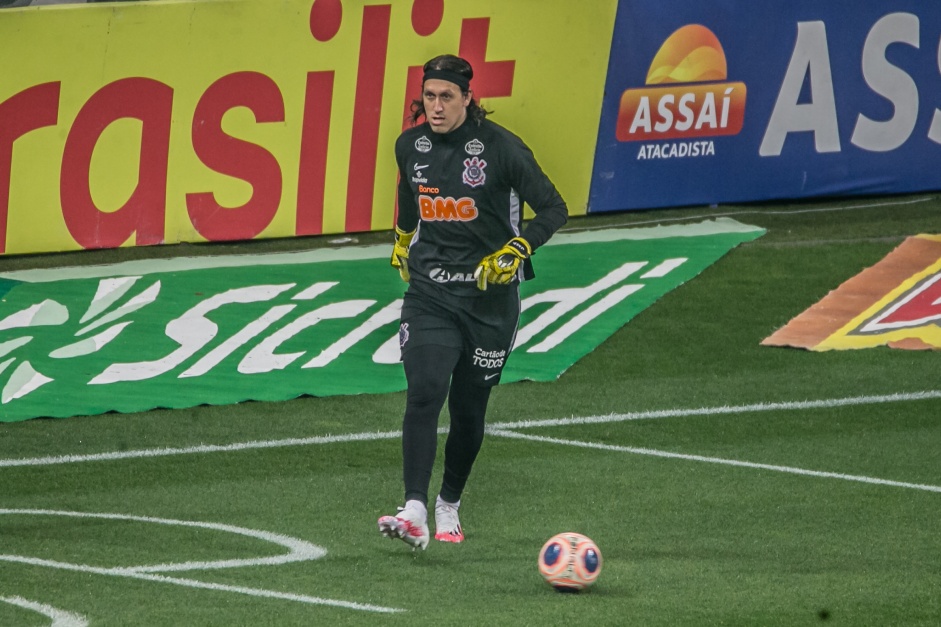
x,y
461,245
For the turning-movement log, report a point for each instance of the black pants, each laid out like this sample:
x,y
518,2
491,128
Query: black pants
x,y
435,373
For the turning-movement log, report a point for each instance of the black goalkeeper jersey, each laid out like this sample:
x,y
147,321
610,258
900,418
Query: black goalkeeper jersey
x,y
464,192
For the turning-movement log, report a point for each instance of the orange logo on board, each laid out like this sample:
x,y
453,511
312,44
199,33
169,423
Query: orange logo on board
x,y
687,94
438,208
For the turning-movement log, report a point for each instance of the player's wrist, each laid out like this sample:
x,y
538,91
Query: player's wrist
x,y
404,238
521,247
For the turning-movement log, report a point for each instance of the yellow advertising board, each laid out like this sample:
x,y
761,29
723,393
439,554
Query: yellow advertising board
x,y
207,120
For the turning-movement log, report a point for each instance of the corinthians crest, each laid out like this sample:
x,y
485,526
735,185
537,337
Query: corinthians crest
x,y
474,171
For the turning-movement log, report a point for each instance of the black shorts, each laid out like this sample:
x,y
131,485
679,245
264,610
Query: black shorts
x,y
483,328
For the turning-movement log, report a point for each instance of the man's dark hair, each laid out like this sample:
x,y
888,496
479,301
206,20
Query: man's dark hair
x,y
455,64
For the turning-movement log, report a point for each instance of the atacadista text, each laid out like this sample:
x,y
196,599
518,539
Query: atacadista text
x,y
676,150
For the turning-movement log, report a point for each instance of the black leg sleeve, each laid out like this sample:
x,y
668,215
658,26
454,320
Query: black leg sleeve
x,y
428,371
467,404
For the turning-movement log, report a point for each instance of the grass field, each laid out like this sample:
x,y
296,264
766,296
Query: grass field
x,y
726,483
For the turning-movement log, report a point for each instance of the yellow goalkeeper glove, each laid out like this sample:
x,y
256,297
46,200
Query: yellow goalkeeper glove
x,y
400,252
500,267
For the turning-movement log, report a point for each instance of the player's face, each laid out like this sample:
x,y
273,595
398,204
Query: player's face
x,y
445,105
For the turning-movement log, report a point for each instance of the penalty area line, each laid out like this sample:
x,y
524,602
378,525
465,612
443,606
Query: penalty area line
x,y
716,460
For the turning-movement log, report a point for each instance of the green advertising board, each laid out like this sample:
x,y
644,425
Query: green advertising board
x,y
219,330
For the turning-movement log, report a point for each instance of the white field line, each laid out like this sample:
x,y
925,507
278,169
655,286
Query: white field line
x,y
192,583
202,448
388,435
59,617
298,551
720,411
718,460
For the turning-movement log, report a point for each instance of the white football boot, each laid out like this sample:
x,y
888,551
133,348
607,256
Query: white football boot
x,y
447,524
410,525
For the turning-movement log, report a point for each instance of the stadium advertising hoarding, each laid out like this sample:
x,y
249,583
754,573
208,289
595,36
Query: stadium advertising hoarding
x,y
166,121
159,122
722,102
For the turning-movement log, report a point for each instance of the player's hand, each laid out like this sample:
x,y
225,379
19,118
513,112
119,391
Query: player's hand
x,y
400,252
500,267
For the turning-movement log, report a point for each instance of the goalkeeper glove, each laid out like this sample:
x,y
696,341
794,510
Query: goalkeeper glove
x,y
400,252
500,267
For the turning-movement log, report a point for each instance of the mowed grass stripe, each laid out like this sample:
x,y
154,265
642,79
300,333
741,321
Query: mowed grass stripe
x,y
495,427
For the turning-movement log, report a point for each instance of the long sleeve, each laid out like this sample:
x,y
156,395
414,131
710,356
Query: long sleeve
x,y
407,219
538,191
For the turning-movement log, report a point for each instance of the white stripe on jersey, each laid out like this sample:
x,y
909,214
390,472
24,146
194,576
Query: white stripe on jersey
x,y
515,210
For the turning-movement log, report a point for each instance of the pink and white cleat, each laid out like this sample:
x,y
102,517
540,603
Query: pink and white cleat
x,y
410,525
447,524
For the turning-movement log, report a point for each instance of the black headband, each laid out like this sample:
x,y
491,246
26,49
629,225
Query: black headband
x,y
447,75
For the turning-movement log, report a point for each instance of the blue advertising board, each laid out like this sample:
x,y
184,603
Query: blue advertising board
x,y
724,102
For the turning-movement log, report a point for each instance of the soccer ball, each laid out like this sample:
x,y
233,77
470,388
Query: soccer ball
x,y
570,562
